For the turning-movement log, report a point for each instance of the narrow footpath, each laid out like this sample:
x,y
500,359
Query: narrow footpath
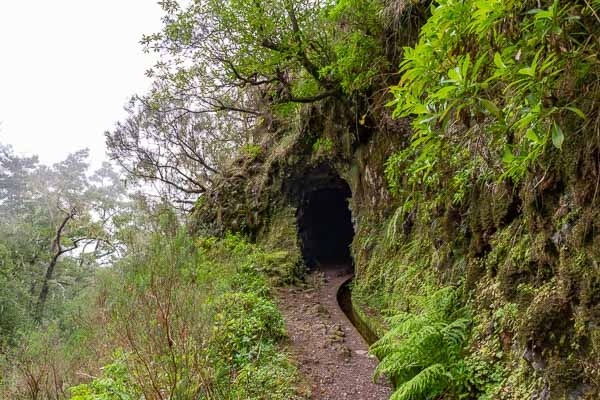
x,y
330,352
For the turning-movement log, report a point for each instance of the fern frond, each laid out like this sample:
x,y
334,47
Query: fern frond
x,y
426,384
404,326
392,228
399,318
455,333
383,349
399,367
422,347
418,335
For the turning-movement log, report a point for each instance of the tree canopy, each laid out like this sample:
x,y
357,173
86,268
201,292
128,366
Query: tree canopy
x,y
56,222
226,66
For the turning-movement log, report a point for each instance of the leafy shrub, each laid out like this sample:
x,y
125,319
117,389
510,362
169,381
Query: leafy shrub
x,y
422,351
114,385
12,314
244,324
195,319
492,96
275,375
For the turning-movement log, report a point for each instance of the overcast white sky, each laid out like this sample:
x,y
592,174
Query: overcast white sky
x,y
67,68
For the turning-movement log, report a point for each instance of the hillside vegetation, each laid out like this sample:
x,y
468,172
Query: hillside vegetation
x,y
468,132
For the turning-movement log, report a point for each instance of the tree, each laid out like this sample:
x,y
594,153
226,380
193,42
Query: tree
x,y
53,215
228,66
13,171
222,62
178,154
214,48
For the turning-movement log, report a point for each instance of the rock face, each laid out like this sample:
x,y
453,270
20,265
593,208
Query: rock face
x,y
527,256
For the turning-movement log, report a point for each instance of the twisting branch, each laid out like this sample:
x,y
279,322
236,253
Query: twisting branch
x,y
58,251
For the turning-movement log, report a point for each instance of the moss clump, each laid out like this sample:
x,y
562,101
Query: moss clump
x,y
280,237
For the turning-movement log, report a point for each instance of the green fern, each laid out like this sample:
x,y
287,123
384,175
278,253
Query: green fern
x,y
431,380
422,348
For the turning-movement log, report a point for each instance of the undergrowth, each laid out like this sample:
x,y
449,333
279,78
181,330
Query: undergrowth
x,y
493,86
230,348
422,352
496,195
179,318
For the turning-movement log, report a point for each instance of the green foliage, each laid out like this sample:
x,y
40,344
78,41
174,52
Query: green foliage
x,y
274,264
245,323
501,98
274,374
504,91
252,150
286,110
359,52
280,257
252,44
423,349
45,361
478,378
200,312
54,224
13,299
287,52
323,146
114,385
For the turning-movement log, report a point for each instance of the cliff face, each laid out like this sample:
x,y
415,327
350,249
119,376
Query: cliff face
x,y
525,258
523,254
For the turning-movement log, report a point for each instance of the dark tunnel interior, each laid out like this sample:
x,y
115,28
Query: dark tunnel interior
x,y
325,228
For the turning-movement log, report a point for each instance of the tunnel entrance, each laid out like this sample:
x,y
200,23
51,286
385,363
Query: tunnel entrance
x,y
325,227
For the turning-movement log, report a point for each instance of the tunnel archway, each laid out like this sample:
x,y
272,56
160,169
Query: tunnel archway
x,y
325,227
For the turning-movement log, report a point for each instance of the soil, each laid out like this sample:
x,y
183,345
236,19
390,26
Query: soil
x,y
330,352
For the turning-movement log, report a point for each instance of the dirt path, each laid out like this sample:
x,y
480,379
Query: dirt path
x,y
331,353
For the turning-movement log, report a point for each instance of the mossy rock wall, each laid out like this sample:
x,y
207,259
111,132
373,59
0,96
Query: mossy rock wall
x,y
526,257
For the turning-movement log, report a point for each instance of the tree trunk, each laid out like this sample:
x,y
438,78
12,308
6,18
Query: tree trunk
x,y
58,251
46,287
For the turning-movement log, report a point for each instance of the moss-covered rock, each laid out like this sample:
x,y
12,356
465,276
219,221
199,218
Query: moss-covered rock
x,y
525,254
